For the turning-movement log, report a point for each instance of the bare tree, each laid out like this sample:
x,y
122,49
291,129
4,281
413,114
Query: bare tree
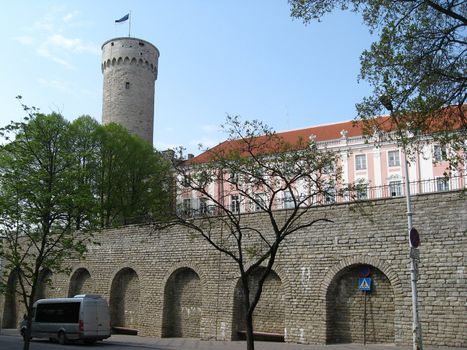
x,y
256,170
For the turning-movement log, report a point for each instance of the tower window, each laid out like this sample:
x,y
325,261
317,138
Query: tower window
x,y
127,85
112,44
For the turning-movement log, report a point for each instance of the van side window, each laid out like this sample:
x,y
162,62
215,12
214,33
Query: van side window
x,y
58,312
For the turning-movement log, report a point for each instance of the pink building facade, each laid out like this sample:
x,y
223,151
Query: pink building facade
x,y
378,168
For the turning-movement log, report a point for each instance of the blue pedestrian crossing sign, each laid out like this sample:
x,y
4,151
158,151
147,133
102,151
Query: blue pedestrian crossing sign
x,y
364,284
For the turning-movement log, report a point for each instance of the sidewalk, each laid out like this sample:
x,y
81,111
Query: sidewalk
x,y
190,344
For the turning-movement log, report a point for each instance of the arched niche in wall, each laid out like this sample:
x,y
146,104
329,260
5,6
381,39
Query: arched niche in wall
x,y
269,314
345,305
182,304
125,300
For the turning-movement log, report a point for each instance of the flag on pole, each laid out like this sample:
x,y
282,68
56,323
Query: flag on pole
x,y
123,19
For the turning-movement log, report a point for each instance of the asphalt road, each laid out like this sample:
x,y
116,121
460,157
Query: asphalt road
x,y
10,340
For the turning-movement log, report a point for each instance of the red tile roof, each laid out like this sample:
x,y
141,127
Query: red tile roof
x,y
321,132
446,119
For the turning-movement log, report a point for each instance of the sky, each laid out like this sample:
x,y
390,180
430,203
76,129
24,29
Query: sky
x,y
218,58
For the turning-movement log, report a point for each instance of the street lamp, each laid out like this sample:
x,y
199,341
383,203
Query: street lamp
x,y
414,240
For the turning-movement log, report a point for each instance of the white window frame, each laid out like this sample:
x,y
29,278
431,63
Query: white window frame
x,y
439,153
186,180
395,188
234,178
259,197
186,206
442,184
361,189
394,161
235,203
360,165
203,205
330,195
288,200
329,168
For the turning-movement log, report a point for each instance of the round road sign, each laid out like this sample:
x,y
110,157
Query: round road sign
x,y
414,238
364,271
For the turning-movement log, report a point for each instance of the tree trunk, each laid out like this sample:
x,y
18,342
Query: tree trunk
x,y
27,333
250,343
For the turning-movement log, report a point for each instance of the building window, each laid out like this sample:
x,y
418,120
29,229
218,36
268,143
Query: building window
x,y
442,184
439,153
234,179
329,168
288,200
203,206
361,191
127,85
234,203
395,188
186,180
187,206
393,158
260,201
330,195
360,162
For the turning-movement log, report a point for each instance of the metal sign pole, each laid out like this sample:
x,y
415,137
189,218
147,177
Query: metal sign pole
x,y
414,254
364,319
416,329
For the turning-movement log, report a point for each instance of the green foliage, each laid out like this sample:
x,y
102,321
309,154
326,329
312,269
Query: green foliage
x,y
38,202
417,67
133,181
61,181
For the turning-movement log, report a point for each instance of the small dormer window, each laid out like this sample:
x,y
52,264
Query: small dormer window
x,y
127,85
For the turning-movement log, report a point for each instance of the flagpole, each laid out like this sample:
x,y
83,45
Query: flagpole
x,y
129,26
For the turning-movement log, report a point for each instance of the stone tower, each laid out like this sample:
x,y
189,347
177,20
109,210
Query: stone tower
x,y
129,66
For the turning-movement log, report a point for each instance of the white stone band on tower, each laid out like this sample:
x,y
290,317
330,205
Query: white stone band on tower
x,y
129,66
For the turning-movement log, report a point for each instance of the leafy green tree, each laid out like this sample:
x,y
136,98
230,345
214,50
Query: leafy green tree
x,y
38,203
417,67
85,153
61,181
264,173
133,180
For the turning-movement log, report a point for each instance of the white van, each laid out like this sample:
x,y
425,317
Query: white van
x,y
84,317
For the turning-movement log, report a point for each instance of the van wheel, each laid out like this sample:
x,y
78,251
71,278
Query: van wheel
x,y
61,338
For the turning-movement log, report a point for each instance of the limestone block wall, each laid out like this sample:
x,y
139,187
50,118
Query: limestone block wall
x,y
316,274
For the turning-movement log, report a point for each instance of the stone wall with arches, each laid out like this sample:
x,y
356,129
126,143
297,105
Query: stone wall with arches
x,y
171,283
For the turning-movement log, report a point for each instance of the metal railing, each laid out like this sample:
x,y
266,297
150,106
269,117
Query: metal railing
x,y
358,192
396,188
440,184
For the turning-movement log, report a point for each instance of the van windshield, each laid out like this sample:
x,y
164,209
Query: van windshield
x,y
58,312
